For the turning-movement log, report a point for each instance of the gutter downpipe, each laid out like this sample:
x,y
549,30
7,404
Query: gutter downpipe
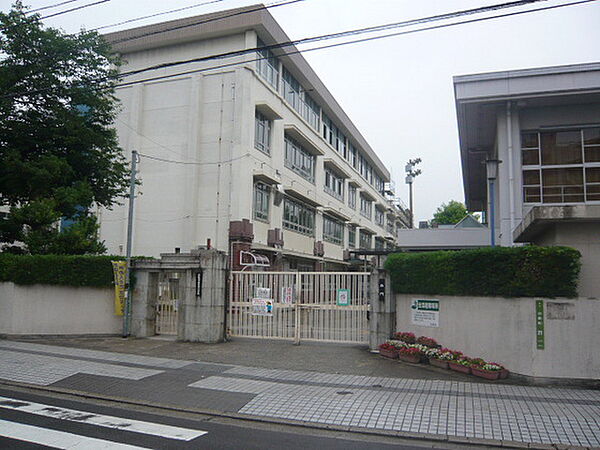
x,y
511,174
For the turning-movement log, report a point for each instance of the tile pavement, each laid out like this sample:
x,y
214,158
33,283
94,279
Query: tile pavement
x,y
449,408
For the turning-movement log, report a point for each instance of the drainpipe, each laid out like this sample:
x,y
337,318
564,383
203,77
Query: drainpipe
x,y
511,172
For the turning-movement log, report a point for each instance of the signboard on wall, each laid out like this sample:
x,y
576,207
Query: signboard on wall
x,y
287,295
425,312
539,324
343,297
262,307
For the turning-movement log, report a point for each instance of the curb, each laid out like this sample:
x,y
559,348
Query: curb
x,y
302,424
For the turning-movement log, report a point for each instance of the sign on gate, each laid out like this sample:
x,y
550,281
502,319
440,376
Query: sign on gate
x,y
343,297
263,292
287,295
262,307
426,313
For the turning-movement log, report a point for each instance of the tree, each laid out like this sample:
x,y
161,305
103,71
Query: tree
x,y
59,153
450,213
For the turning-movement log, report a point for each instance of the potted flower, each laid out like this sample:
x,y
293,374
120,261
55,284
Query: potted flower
x,y
410,354
461,364
439,357
427,342
409,338
388,350
489,371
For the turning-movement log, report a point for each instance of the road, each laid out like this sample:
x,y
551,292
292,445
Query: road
x,y
34,419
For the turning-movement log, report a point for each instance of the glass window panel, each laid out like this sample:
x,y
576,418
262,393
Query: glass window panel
x,y
592,154
562,185
591,136
592,184
530,157
531,194
529,140
531,177
562,147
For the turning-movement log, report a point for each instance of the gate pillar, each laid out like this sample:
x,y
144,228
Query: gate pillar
x,y
382,321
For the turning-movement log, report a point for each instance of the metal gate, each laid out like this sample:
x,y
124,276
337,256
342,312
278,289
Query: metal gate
x,y
317,306
167,304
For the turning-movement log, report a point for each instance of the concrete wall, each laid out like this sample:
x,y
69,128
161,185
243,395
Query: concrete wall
x,y
56,310
504,330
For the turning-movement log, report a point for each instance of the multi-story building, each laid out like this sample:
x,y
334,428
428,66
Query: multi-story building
x,y
543,126
255,135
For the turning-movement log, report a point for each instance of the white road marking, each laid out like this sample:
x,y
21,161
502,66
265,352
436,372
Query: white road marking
x,y
119,423
57,439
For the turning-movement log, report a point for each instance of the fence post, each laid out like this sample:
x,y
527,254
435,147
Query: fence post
x,y
297,309
383,308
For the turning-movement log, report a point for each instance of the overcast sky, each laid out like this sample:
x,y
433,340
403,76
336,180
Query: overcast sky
x,y
398,91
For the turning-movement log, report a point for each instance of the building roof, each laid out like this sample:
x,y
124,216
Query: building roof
x,y
254,17
480,97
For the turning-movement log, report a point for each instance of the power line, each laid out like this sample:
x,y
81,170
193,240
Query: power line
x,y
51,6
191,163
211,19
74,9
136,19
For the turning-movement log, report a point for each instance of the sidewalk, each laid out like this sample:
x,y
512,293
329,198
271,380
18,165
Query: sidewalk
x,y
340,387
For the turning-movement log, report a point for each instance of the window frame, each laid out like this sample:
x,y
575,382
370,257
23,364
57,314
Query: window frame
x,y
262,129
302,213
295,155
333,230
261,196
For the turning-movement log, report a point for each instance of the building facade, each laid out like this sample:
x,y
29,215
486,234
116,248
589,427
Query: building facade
x,y
544,127
249,151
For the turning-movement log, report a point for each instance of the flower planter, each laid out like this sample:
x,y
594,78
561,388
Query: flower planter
x,y
487,374
503,374
459,367
414,359
393,354
438,363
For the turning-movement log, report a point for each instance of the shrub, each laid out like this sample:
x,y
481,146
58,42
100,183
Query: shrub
x,y
427,342
409,338
528,271
65,270
410,351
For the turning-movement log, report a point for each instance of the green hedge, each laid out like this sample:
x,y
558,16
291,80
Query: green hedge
x,y
529,271
65,270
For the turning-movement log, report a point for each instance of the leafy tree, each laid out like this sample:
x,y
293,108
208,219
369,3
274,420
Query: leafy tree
x,y
449,213
59,153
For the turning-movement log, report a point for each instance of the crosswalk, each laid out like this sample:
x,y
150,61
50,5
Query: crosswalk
x,y
42,434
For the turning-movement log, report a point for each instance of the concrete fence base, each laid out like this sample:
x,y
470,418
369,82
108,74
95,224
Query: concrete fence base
x,y
505,330
57,310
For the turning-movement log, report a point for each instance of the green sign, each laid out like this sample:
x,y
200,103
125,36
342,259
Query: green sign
x,y
343,297
426,305
539,324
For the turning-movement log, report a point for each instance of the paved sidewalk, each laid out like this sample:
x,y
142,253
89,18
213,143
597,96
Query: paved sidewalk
x,y
407,401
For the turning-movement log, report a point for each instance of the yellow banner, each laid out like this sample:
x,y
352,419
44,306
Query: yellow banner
x,y
120,272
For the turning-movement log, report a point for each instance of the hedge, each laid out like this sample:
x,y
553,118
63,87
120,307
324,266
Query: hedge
x,y
65,270
528,271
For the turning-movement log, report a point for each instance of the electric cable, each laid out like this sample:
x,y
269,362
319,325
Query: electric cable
x,y
51,6
74,9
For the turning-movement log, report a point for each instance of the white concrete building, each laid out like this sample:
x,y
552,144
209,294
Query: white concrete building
x,y
255,136
544,126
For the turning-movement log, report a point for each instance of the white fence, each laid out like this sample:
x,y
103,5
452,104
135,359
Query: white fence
x,y
317,306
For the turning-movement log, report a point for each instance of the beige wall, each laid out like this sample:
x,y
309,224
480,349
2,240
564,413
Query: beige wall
x,y
503,330
584,237
56,310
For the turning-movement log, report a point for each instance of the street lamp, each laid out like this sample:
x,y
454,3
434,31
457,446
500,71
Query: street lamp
x,y
410,176
491,167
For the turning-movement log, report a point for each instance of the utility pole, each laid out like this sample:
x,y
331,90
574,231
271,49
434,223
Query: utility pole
x,y
127,315
411,173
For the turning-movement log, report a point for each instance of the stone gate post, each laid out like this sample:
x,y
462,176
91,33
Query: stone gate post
x,y
383,305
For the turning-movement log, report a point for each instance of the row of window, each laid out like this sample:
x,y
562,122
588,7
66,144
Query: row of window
x,y
299,217
292,91
561,166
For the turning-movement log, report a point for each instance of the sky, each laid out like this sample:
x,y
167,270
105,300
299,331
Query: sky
x,y
398,91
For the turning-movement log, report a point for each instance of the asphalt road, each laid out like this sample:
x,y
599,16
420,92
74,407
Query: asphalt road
x,y
33,420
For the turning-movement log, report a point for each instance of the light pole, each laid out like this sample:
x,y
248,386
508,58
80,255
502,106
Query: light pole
x,y
411,173
491,167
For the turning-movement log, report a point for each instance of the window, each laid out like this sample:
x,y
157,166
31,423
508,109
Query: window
x,y
298,217
262,133
379,184
351,236
267,65
561,166
366,207
297,97
379,217
364,240
261,201
333,230
352,156
352,196
379,243
390,224
334,185
299,160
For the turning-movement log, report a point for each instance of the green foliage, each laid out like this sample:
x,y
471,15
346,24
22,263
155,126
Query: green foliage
x,y
529,271
59,152
450,213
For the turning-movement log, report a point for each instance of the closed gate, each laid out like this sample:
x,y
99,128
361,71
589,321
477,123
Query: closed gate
x,y
167,304
317,306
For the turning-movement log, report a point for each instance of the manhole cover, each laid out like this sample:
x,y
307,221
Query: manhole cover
x,y
344,392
